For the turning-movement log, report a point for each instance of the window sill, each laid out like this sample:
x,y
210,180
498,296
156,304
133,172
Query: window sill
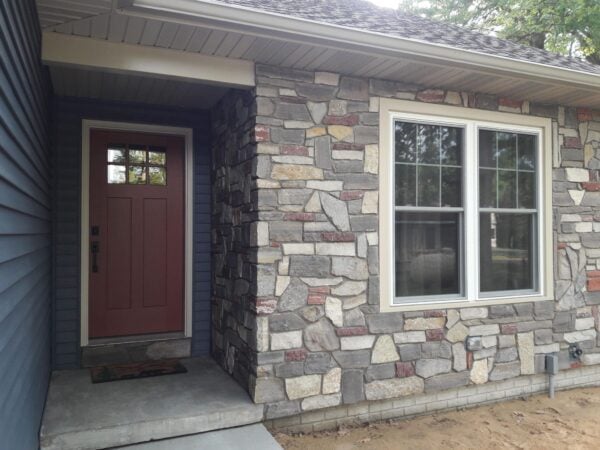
x,y
461,303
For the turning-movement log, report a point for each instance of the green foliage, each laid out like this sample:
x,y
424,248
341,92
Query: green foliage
x,y
569,27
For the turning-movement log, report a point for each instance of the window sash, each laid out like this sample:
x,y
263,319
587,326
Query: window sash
x,y
469,246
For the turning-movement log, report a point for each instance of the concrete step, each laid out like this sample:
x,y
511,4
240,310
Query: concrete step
x,y
85,416
250,437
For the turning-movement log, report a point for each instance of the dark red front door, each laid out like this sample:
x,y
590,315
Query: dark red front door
x,y
136,233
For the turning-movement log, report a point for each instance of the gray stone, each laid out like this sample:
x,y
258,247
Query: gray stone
x,y
563,321
501,311
506,355
293,297
366,135
544,310
483,101
524,309
310,266
320,336
356,359
316,92
317,363
292,111
354,89
543,337
506,340
459,357
385,322
282,409
287,136
285,73
336,211
285,322
363,223
409,352
264,358
323,152
290,369
447,381
354,318
268,390
439,349
474,343
538,109
352,386
312,313
429,367
373,292
350,267
317,111
380,372
504,371
590,240
265,280
287,231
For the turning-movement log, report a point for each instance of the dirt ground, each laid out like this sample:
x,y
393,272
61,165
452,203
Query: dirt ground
x,y
570,421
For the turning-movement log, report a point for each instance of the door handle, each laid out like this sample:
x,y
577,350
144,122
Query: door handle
x,y
95,249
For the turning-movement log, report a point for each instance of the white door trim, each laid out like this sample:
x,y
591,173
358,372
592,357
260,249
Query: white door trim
x,y
187,134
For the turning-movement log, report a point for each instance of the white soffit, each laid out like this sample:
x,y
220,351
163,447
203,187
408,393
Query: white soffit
x,y
143,23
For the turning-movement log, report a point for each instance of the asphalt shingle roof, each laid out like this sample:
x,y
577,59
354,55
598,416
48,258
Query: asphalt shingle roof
x,y
362,15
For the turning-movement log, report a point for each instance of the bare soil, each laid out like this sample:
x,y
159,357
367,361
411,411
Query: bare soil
x,y
570,421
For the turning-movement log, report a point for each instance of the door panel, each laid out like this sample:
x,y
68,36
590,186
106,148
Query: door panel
x,y
137,233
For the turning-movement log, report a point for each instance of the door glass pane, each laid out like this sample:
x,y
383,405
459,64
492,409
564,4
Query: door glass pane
x,y
157,176
137,156
406,184
116,155
157,158
506,251
428,186
137,175
116,174
427,253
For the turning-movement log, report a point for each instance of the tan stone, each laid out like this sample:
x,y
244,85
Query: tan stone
x,y
384,351
457,333
340,132
422,323
588,153
371,164
313,204
479,371
395,387
453,98
295,172
321,401
305,386
370,202
315,132
332,381
526,353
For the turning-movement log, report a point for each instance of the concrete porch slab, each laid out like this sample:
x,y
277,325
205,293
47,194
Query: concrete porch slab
x,y
249,437
82,415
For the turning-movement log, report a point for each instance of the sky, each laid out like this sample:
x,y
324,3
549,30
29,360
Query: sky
x,y
388,3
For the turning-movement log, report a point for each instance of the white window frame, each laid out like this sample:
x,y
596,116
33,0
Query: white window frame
x,y
471,121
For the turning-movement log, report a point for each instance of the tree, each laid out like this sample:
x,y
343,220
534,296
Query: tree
x,y
569,27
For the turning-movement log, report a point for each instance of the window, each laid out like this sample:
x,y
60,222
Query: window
x,y
468,217
136,164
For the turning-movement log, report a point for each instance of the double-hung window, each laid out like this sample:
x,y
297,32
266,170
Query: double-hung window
x,y
464,206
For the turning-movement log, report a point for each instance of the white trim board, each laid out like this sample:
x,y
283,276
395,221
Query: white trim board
x,y
187,134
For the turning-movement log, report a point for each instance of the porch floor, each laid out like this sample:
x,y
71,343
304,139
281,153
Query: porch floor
x,y
83,415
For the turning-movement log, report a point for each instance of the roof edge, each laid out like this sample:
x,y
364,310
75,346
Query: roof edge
x,y
350,38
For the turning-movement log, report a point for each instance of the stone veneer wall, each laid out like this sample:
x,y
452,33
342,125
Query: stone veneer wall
x,y
320,340
233,268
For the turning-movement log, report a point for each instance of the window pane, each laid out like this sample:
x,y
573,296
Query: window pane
x,y
507,150
137,156
137,175
427,254
429,186
406,183
507,189
116,174
487,188
452,146
406,145
527,190
527,149
116,154
451,186
429,144
487,148
157,176
157,157
506,249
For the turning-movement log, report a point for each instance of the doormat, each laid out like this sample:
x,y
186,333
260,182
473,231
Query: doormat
x,y
116,372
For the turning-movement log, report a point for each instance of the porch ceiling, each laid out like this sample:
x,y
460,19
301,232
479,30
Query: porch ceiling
x,y
206,35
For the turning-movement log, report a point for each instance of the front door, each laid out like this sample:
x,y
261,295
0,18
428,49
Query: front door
x,y
136,233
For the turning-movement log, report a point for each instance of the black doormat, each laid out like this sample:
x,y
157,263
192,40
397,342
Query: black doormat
x,y
116,372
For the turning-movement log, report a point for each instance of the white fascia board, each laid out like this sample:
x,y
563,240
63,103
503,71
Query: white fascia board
x,y
88,53
269,24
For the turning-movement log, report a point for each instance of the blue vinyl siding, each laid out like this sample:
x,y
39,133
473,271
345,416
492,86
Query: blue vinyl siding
x,y
67,117
25,227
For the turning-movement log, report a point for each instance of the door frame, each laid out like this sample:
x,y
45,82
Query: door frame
x,y
188,135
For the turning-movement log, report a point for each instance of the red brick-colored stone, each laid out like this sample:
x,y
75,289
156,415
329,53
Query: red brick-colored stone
x,y
348,146
296,355
509,103
470,360
351,195
508,328
561,245
300,217
296,150
262,133
265,305
319,290
572,142
593,282
351,331
584,114
576,365
316,299
591,187
405,369
431,96
435,335
435,313
349,120
275,244
342,236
